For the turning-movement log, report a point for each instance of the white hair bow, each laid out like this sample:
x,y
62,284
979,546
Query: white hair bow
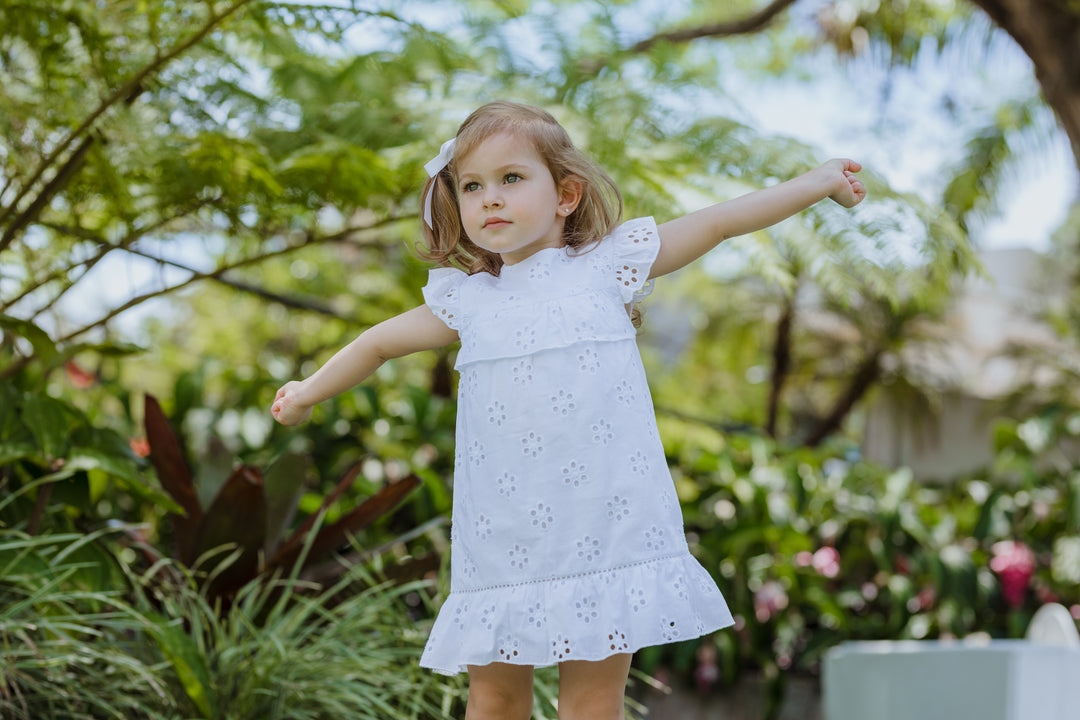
x,y
433,168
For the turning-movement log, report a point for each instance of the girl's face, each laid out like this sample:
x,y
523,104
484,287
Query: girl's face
x,y
508,199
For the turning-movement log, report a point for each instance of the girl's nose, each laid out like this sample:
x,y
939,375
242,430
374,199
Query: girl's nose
x,y
492,200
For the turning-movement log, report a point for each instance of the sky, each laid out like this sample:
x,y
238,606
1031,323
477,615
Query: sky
x,y
896,123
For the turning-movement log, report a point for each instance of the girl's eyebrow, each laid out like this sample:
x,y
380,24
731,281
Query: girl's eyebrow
x,y
499,170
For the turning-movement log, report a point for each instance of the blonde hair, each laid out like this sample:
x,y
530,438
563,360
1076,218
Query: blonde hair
x,y
597,214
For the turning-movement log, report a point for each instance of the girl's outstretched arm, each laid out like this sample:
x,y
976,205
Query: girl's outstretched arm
x,y
411,331
685,239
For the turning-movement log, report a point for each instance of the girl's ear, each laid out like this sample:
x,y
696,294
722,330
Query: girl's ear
x,y
571,190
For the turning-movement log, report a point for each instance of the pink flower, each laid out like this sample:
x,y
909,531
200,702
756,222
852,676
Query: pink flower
x,y
869,591
139,446
1015,564
78,377
1046,595
706,673
769,600
826,561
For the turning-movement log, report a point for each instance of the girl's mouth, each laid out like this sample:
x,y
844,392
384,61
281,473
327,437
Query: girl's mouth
x,y
495,222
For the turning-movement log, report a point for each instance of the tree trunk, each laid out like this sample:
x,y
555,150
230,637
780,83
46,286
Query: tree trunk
x,y
1049,32
781,364
863,379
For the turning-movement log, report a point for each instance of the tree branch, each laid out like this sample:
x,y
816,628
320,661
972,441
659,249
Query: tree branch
x,y
217,275
59,180
105,248
741,26
720,426
250,288
865,376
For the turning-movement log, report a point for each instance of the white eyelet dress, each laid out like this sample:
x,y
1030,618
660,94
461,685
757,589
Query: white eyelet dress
x,y
567,540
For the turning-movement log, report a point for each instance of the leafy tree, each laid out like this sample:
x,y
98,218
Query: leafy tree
x,y
182,140
1046,30
233,126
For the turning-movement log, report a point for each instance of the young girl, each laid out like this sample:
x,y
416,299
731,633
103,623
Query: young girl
x,y
567,543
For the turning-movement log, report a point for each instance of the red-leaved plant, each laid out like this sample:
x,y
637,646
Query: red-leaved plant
x,y
239,510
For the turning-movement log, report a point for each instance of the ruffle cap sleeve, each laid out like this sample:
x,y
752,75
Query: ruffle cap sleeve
x,y
442,295
634,246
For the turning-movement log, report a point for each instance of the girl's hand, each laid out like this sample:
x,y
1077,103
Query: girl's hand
x,y
287,409
849,189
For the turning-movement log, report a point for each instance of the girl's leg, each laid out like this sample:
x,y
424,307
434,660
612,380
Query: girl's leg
x,y
500,691
593,690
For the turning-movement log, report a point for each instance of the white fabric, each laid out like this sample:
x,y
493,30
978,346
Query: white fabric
x,y
433,167
567,540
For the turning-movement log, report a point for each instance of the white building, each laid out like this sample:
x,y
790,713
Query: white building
x,y
968,369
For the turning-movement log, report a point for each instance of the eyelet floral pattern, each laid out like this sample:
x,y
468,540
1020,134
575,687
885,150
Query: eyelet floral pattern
x,y
588,360
560,648
506,484
519,557
536,616
524,338
566,539
532,444
541,516
656,538
602,432
483,527
522,370
618,508
562,403
497,413
617,638
575,474
477,454
588,549
508,648
586,609
669,629
539,272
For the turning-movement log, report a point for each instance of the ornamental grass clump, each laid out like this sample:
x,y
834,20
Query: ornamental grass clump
x,y
76,644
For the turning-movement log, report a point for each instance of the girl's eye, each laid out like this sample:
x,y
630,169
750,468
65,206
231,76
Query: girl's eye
x,y
470,186
512,178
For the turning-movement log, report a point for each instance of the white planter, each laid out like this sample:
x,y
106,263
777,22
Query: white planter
x,y
937,680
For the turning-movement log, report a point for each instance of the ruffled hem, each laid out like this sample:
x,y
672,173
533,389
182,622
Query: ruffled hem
x,y
582,617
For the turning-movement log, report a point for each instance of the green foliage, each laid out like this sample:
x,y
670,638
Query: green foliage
x,y
65,633
151,646
812,549
51,452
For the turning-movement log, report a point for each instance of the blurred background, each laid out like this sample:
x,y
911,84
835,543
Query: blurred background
x,y
872,417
